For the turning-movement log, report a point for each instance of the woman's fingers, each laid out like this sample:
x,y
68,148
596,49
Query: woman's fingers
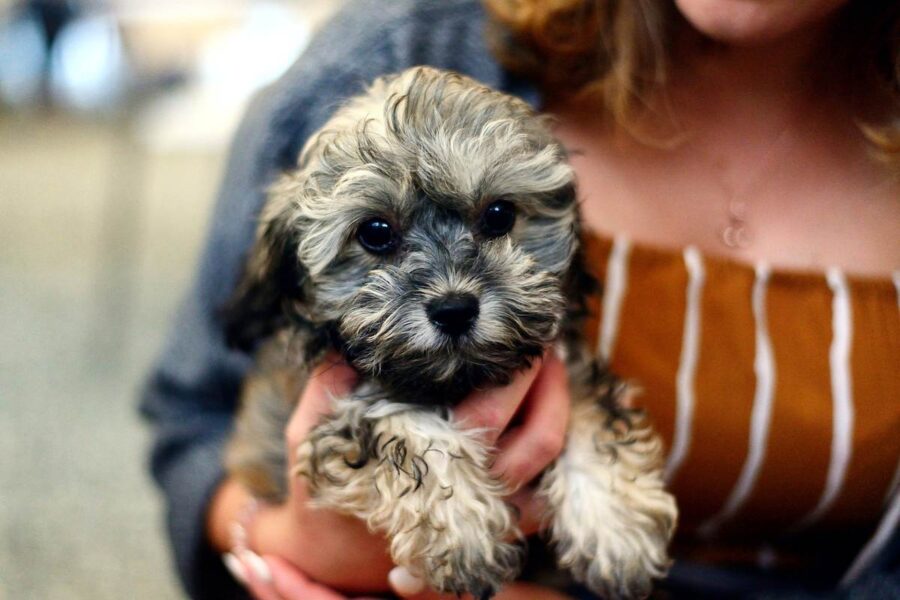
x,y
291,584
493,409
330,379
405,584
255,575
273,578
526,450
531,509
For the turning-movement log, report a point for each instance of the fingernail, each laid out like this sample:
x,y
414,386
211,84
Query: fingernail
x,y
235,567
404,582
559,350
258,565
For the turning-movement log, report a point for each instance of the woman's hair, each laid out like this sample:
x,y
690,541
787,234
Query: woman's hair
x,y
617,52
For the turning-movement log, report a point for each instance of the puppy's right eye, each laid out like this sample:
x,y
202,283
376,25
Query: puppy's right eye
x,y
377,236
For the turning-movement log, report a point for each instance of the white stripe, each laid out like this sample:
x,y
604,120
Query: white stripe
x,y
684,380
891,519
896,277
613,292
842,397
761,417
895,481
894,486
886,529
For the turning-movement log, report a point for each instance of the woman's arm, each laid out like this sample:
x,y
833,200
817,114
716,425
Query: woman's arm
x,y
191,395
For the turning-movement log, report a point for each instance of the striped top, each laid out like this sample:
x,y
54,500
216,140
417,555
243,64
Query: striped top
x,y
777,394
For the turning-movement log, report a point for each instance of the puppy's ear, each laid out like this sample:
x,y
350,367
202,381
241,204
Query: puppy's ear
x,y
270,287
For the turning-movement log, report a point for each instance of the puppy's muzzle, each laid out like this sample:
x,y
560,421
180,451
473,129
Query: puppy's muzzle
x,y
454,314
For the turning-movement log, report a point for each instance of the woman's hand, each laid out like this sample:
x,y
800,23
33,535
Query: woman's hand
x,y
525,420
335,550
281,580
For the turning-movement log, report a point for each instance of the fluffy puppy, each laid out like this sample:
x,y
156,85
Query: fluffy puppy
x,y
430,235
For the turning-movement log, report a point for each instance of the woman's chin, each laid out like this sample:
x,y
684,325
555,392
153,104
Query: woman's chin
x,y
755,22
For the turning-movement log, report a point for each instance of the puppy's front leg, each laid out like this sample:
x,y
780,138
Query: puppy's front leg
x,y
611,519
414,477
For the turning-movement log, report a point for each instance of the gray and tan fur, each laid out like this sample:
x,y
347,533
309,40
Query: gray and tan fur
x,y
426,152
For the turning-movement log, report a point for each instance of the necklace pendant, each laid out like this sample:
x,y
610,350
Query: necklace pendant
x,y
736,235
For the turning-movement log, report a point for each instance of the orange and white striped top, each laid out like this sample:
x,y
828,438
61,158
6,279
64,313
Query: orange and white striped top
x,y
777,393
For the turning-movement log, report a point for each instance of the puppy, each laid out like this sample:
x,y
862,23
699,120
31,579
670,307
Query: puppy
x,y
430,235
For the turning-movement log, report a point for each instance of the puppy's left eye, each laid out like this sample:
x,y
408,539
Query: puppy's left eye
x,y
377,236
498,218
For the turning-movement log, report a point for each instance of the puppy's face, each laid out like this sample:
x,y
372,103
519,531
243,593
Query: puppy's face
x,y
430,228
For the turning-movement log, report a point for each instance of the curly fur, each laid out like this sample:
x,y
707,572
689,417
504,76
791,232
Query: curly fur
x,y
427,151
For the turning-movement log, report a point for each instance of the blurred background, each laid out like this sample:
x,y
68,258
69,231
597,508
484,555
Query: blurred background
x,y
114,119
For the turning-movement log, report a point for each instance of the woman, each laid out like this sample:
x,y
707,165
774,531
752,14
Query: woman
x,y
737,151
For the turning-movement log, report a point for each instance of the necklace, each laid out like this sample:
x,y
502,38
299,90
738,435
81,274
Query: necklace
x,y
736,232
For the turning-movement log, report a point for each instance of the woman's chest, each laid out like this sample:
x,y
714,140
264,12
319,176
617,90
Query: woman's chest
x,y
812,208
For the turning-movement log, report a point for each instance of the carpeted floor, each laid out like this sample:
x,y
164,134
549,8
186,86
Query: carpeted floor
x,y
98,238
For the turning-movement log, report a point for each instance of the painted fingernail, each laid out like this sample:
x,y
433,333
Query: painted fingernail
x,y
258,565
404,582
235,567
559,350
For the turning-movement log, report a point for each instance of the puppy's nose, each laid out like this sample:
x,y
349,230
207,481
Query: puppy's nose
x,y
454,314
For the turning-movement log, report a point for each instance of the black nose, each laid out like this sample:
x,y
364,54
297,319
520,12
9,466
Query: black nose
x,y
455,314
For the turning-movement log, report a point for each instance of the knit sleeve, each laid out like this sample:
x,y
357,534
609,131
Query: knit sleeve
x,y
191,394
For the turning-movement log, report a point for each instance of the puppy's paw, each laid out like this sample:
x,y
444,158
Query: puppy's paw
x,y
443,512
619,566
617,549
480,573
611,518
